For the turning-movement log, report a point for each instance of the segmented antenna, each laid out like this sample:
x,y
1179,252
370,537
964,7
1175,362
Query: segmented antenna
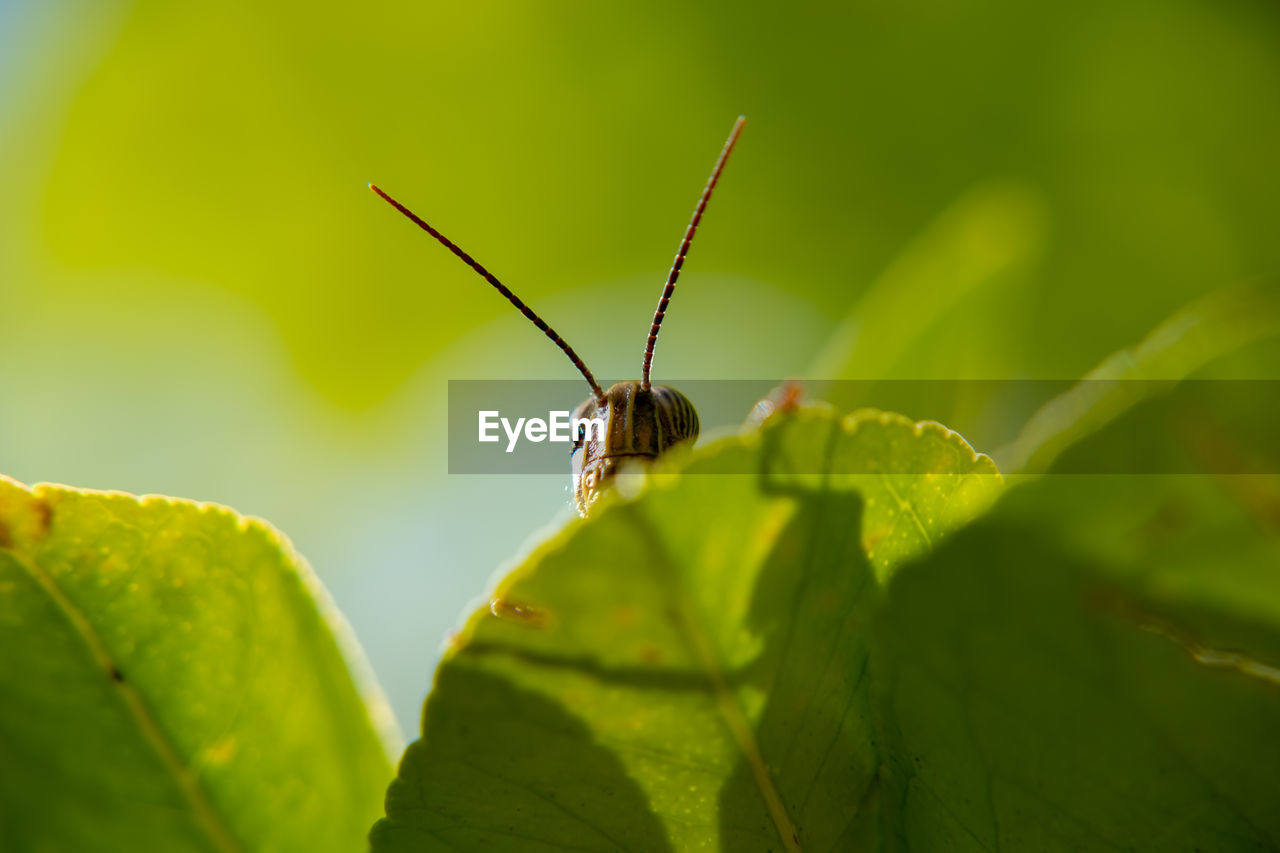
x,y
684,249
501,288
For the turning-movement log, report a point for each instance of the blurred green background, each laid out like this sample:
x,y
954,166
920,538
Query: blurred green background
x,y
199,296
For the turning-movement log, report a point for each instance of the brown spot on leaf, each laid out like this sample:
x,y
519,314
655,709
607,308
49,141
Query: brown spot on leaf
x,y
221,752
522,614
6,539
44,516
650,654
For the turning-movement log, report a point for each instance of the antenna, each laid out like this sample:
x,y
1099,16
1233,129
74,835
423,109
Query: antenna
x,y
684,249
501,288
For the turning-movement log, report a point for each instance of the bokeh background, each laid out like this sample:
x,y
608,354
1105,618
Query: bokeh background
x,y
199,296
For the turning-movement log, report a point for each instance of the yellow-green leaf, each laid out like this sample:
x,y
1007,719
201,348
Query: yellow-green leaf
x,y
690,669
172,681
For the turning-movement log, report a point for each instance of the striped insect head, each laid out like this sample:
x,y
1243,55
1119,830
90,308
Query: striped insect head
x,y
640,424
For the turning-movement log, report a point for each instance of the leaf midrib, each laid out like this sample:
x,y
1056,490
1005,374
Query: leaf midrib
x,y
731,712
206,816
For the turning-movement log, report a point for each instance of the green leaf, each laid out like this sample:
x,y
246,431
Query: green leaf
x,y
716,664
917,479
1193,337
174,679
1032,699
691,668
1096,664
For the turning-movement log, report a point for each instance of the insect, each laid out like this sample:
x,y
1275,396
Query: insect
x,y
643,420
